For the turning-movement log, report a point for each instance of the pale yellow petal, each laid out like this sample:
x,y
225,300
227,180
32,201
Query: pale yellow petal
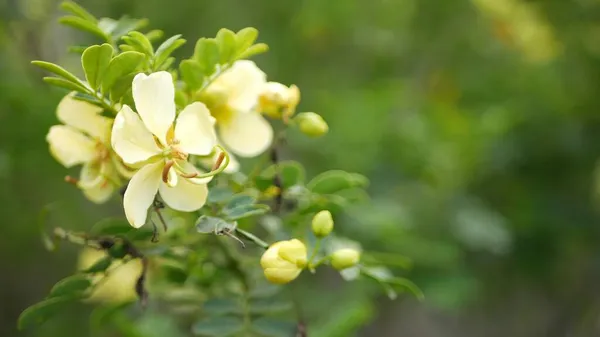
x,y
69,146
188,169
282,275
154,97
85,117
195,130
140,193
243,82
184,196
247,134
130,139
99,192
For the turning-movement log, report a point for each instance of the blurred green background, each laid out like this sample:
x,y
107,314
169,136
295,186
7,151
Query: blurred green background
x,y
478,123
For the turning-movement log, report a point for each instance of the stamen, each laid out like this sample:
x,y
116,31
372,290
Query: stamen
x,y
189,175
71,180
219,161
165,172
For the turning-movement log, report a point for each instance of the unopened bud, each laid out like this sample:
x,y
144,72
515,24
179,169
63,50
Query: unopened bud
x,y
345,258
278,101
311,124
322,224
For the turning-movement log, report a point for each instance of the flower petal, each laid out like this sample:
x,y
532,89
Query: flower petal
x,y
85,117
243,82
195,130
184,196
189,168
69,146
247,134
140,193
130,138
154,97
99,193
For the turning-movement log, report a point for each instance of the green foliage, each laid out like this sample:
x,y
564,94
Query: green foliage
x,y
95,61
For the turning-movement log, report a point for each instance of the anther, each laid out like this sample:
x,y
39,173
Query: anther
x,y
71,180
165,172
219,161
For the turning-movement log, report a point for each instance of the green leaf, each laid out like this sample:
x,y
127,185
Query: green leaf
x,y
102,315
42,311
269,327
121,27
206,53
264,290
57,70
268,306
95,61
140,40
166,49
336,180
227,45
191,73
221,307
256,49
219,194
218,326
245,38
291,173
121,65
245,211
62,83
121,87
87,98
100,265
208,224
239,200
77,10
74,285
84,25
77,49
111,226
155,35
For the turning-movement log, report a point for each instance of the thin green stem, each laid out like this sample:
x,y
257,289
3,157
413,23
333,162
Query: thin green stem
x,y
251,237
314,253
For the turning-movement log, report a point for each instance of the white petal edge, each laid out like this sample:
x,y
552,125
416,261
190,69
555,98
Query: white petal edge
x,y
154,97
195,130
184,196
247,134
244,82
140,193
85,117
69,146
130,139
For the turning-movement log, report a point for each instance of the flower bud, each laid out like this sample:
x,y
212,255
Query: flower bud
x,y
278,101
284,261
322,224
116,287
345,258
311,124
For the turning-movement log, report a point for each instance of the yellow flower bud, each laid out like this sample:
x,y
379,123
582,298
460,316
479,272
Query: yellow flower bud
x,y
278,101
311,124
322,224
284,261
118,285
345,258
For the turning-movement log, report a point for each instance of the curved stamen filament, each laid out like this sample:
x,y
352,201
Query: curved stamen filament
x,y
165,172
222,162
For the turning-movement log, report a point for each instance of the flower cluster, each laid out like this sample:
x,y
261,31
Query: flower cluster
x,y
152,146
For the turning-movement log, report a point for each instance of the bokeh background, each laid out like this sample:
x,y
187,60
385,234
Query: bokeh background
x,y
478,123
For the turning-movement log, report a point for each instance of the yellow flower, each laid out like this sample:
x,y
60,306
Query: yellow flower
x,y
322,224
84,140
284,261
233,100
119,285
278,101
154,139
345,258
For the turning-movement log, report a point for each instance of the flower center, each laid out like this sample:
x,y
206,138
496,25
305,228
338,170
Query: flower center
x,y
222,113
